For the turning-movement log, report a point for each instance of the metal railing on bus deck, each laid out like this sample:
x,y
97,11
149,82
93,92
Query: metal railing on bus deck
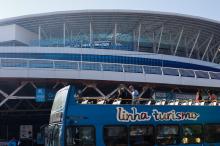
x,y
105,67
3,143
144,101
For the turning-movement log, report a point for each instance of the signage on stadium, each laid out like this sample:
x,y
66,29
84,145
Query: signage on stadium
x,y
135,116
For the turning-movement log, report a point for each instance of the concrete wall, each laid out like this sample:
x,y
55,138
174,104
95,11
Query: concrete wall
x,y
16,32
24,35
7,33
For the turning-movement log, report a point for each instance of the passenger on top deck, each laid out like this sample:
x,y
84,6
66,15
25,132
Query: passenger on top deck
x,y
134,94
123,95
147,95
79,96
198,96
172,94
212,97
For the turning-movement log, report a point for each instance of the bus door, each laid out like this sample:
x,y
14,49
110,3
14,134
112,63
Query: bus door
x,y
212,135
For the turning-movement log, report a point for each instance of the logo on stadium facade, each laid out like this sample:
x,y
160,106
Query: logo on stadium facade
x,y
135,116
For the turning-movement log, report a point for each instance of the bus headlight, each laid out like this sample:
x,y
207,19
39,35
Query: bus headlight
x,y
198,140
185,140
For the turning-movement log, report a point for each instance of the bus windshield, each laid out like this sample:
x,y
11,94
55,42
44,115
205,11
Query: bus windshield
x,y
60,99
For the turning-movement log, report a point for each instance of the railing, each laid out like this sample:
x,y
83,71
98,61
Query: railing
x,y
3,143
110,67
144,101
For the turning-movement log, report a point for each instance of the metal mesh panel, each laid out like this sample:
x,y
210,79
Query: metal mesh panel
x,y
40,64
133,69
202,74
65,65
214,75
112,67
186,73
90,66
13,63
152,70
170,71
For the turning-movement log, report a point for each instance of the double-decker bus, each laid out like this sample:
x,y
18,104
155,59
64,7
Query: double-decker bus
x,y
78,123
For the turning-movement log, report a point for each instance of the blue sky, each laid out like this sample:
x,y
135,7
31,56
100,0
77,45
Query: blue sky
x,y
203,8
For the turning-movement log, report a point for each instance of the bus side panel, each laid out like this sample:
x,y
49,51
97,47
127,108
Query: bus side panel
x,y
211,144
191,144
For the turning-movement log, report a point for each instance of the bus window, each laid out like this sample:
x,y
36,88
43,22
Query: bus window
x,y
115,135
141,135
212,132
56,133
192,134
80,136
167,134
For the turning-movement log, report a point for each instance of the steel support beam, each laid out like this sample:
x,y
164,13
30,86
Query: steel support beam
x,y
64,34
90,33
216,52
153,40
181,33
100,92
198,48
194,44
95,88
161,34
35,87
207,47
115,33
139,36
11,96
118,88
39,35
170,41
134,39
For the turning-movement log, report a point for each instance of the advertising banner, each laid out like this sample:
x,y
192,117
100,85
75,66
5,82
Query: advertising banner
x,y
40,95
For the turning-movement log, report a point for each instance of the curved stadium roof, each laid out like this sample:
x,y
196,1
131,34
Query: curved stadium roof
x,y
154,32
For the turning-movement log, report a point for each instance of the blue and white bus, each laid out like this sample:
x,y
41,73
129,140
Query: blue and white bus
x,y
74,123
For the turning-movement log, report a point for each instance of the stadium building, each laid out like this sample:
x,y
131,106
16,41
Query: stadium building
x,y
99,50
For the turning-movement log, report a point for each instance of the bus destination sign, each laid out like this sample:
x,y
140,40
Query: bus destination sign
x,y
134,116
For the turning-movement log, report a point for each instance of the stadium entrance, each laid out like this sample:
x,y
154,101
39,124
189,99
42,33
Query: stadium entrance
x,y
25,108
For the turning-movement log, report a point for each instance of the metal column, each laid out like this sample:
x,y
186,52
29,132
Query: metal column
x,y
64,34
194,45
161,33
90,34
115,33
39,35
139,36
207,47
216,52
181,33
